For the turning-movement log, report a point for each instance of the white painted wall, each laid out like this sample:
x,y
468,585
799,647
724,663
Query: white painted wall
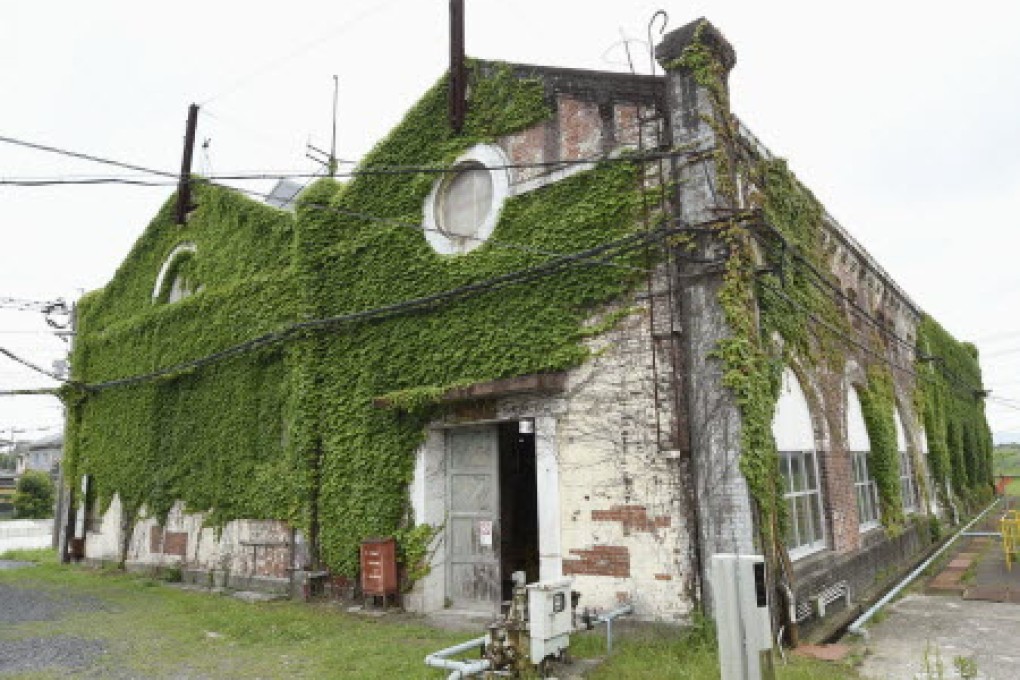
x,y
856,431
791,425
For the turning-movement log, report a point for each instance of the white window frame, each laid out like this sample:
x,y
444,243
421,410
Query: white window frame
x,y
181,249
486,155
802,548
908,480
865,489
908,485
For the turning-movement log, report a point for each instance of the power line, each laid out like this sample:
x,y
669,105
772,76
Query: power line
x,y
99,181
28,364
365,171
393,221
83,156
798,255
613,248
970,392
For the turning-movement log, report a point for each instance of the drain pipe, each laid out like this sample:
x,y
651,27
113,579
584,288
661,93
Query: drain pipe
x,y
856,628
459,669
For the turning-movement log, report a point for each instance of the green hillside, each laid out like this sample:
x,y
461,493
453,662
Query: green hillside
x,y
1006,459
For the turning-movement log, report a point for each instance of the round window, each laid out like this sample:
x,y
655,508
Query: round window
x,y
463,207
465,199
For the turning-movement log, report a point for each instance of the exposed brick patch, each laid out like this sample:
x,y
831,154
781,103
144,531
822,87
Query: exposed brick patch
x,y
632,517
663,577
175,543
580,129
527,146
601,560
625,120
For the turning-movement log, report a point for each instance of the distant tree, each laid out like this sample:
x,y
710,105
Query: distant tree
x,y
7,461
33,497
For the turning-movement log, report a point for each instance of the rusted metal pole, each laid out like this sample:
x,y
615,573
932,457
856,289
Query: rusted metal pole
x,y
184,187
458,74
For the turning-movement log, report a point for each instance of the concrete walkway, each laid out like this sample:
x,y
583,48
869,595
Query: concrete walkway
x,y
970,610
986,632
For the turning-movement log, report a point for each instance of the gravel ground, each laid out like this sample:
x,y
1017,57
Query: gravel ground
x,y
39,654
22,605
18,605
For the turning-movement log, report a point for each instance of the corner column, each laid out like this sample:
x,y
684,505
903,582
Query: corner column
x,y
725,522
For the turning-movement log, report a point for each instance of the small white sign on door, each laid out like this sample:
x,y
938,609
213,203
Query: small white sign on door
x,y
485,533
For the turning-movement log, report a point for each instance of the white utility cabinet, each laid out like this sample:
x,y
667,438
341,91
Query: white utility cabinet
x,y
549,618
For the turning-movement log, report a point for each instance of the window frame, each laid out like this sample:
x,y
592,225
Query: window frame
x,y
864,483
791,496
483,156
909,496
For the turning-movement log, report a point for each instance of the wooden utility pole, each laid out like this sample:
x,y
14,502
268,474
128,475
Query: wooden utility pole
x,y
458,74
184,186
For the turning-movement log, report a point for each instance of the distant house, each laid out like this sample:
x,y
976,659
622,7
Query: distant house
x,y
597,331
42,455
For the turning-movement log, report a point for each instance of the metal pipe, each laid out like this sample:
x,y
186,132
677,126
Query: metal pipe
x,y
460,669
607,619
856,627
469,669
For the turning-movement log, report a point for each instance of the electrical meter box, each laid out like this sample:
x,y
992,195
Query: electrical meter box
x,y
549,618
741,603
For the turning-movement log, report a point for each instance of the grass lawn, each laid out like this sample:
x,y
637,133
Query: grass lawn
x,y
1013,488
153,630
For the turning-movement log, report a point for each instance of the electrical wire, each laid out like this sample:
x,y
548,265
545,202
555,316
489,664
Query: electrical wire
x,y
28,364
422,228
970,392
365,171
84,156
626,244
883,328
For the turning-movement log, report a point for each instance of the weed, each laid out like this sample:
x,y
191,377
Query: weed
x,y
966,667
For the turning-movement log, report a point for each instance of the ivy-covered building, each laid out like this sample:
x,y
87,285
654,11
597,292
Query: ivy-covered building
x,y
599,331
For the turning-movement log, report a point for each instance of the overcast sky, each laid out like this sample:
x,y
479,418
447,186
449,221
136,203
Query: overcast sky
x,y
903,117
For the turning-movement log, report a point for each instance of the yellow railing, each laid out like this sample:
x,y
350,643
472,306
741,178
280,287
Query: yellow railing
x,y
1010,527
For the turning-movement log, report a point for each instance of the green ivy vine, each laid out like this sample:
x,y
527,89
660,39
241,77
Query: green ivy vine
x,y
959,440
778,311
322,431
878,406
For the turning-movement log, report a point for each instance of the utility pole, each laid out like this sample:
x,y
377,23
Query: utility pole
x,y
458,74
184,186
65,506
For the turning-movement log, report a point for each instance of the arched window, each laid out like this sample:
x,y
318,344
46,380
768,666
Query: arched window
x,y
908,485
176,280
798,464
859,446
